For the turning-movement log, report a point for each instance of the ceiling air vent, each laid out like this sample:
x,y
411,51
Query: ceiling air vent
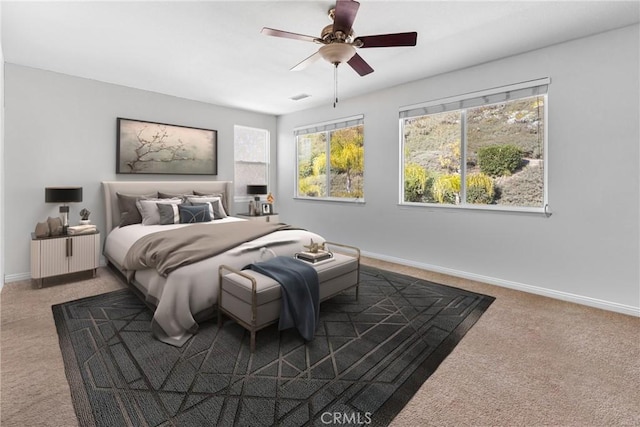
x,y
299,97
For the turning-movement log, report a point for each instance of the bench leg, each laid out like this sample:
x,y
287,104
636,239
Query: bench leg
x,y
253,341
357,291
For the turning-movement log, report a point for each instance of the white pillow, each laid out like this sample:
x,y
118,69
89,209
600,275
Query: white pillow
x,y
216,210
149,210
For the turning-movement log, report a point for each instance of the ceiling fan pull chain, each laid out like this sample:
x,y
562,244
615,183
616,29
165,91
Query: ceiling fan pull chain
x,y
335,85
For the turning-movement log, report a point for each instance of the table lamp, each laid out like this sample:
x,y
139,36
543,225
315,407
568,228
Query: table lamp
x,y
255,190
63,195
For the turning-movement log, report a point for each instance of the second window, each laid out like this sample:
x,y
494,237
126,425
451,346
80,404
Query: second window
x,y
330,160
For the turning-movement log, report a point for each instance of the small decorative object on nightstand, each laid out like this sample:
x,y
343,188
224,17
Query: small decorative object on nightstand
x,y
267,209
84,217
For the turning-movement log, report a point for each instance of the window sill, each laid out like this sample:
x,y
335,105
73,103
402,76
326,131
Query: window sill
x,y
358,201
545,211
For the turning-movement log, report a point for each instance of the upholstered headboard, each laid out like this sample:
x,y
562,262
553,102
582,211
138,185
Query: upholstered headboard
x,y
112,210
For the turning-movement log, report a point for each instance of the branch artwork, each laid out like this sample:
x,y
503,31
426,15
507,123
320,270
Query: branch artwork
x,y
156,150
147,147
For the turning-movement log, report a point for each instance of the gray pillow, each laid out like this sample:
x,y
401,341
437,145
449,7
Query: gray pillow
x,y
216,208
173,195
149,209
129,213
169,213
221,195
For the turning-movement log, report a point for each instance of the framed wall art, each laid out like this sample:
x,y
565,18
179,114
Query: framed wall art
x,y
158,148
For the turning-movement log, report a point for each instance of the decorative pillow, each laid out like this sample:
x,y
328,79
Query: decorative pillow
x,y
149,209
129,213
169,213
199,200
162,195
192,214
219,210
221,195
216,210
214,207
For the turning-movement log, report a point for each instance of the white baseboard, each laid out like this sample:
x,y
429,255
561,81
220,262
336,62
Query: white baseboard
x,y
564,296
8,278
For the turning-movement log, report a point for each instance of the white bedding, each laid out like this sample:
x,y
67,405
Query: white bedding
x,y
190,293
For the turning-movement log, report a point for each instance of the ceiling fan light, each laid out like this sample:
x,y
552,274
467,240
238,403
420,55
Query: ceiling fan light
x,y
337,53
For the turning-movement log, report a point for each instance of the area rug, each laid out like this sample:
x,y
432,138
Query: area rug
x,y
367,360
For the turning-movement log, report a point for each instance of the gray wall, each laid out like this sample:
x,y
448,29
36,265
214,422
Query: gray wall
x,y
2,239
61,130
587,251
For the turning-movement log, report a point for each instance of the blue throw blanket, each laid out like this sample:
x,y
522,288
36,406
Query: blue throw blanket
x,y
300,293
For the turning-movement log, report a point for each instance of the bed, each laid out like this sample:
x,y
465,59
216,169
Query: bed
x,y
186,293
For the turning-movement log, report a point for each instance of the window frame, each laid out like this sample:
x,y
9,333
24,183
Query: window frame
x,y
267,163
544,209
328,126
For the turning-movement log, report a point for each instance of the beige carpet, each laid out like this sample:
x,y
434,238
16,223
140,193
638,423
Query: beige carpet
x,y
528,361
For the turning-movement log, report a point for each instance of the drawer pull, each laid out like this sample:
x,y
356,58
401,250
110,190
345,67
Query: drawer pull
x,y
69,247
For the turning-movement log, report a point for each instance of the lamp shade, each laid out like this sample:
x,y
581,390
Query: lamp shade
x,y
63,194
256,189
337,53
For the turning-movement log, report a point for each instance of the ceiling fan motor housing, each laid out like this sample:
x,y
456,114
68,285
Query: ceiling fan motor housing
x,y
329,36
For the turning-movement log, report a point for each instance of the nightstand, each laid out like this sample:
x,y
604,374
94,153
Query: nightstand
x,y
57,255
265,218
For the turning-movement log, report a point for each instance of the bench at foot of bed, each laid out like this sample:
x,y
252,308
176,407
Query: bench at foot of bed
x,y
254,300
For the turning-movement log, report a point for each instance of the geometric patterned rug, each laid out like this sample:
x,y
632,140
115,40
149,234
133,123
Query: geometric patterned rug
x,y
367,360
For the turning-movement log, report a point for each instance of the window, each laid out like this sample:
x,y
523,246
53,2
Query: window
x,y
330,160
251,155
483,150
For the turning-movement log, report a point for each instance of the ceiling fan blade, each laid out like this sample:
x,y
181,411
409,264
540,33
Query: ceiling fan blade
x,y
359,64
388,40
345,14
287,35
306,62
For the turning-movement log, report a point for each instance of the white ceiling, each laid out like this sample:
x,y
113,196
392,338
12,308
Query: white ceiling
x,y
212,51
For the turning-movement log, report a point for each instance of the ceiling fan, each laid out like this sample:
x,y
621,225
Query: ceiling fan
x,y
339,43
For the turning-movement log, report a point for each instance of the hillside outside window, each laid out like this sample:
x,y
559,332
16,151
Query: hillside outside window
x,y
483,150
330,160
